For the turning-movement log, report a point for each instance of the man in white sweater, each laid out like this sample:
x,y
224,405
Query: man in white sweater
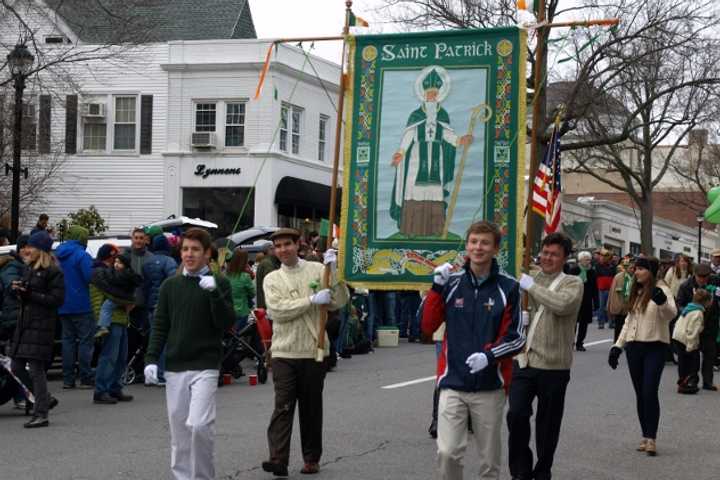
x,y
293,297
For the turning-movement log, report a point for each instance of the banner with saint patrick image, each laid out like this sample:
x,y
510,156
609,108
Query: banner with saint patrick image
x,y
434,141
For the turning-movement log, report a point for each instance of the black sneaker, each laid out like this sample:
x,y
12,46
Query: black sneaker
x,y
104,399
121,397
276,469
68,386
52,403
37,422
87,385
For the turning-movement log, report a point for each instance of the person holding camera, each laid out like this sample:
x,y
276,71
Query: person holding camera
x,y
41,292
645,337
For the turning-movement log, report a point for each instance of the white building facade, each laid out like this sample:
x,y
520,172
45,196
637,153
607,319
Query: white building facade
x,y
594,223
172,128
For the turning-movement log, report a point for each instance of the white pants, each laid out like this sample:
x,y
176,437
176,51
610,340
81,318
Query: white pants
x,y
191,412
485,409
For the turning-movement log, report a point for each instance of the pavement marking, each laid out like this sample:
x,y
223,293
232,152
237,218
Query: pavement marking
x,y
410,382
427,379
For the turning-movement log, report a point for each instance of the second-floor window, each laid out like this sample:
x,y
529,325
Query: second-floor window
x,y
205,117
125,123
290,123
234,124
322,137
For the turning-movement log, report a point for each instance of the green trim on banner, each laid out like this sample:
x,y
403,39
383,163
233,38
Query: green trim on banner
x,y
435,140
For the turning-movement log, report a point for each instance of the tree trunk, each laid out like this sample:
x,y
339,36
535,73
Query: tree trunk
x,y
646,223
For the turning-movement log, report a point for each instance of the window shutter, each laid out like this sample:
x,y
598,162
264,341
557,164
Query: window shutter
x,y
44,124
71,114
146,114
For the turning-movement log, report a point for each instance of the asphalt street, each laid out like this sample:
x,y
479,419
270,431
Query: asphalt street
x,y
371,432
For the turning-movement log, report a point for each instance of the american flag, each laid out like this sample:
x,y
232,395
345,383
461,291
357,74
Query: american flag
x,y
546,194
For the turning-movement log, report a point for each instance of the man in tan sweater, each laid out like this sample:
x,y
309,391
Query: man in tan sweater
x,y
543,368
293,297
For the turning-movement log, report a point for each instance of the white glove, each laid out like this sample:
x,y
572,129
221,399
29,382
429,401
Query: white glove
x,y
207,282
476,362
441,274
330,256
151,373
526,281
322,297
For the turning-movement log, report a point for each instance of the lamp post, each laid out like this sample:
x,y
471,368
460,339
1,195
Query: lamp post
x,y
20,61
700,219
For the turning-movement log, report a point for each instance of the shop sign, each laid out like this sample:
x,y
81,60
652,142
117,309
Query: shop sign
x,y
202,171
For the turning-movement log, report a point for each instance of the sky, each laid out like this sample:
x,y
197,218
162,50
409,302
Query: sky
x,y
308,18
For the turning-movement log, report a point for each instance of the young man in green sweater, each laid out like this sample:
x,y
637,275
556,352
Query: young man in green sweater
x,y
194,309
294,299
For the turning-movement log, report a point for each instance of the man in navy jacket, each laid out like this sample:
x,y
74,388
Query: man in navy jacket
x,y
483,330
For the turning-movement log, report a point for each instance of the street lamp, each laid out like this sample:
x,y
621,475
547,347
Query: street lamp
x,y
20,61
700,219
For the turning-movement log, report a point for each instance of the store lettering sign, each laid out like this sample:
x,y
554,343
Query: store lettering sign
x,y
202,171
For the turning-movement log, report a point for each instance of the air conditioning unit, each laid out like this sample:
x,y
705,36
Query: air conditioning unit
x,y
93,110
203,139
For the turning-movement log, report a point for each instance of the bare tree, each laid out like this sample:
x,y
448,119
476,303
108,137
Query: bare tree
x,y
649,93
108,34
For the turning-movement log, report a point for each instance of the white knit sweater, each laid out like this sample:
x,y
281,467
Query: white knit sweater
x,y
295,319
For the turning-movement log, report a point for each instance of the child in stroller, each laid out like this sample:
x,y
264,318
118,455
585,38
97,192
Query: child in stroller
x,y
252,341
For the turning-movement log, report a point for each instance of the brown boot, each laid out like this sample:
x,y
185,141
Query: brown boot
x,y
643,445
650,448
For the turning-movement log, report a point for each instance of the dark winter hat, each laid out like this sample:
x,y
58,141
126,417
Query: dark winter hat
x,y
125,260
22,242
108,250
648,264
160,244
41,240
703,270
76,232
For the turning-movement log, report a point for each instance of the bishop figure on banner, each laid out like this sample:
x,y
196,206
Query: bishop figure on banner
x,y
425,160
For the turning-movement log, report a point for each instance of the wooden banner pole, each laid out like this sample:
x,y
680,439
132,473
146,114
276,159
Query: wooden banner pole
x,y
333,188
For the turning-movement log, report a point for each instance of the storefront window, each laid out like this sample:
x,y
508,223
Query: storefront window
x,y
223,206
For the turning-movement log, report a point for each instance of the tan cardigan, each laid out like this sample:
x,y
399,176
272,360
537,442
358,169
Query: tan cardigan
x,y
554,337
651,326
617,305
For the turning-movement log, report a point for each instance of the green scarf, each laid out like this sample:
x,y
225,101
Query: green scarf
x,y
583,273
627,286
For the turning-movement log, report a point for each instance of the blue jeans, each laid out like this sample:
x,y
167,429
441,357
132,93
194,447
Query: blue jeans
x,y
112,361
602,310
106,311
409,304
381,312
240,322
78,332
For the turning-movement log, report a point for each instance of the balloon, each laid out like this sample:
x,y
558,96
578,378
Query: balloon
x,y
712,213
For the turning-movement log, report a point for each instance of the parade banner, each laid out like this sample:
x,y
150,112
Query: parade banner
x,y
434,140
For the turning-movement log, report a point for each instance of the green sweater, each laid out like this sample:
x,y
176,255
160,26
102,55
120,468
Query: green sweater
x,y
190,322
243,289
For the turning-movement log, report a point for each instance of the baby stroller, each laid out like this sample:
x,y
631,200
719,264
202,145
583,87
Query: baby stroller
x,y
137,344
239,345
11,386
